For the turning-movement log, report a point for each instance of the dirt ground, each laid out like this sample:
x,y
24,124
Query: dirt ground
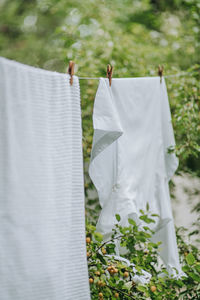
x,y
187,196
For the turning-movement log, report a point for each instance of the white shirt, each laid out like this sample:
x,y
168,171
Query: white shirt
x,y
130,164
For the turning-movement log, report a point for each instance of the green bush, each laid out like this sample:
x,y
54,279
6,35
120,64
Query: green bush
x,y
110,278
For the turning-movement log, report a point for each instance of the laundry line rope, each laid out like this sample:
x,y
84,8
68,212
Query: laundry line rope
x,y
167,76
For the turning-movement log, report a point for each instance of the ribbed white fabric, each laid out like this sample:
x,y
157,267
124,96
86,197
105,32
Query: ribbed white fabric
x,y
42,235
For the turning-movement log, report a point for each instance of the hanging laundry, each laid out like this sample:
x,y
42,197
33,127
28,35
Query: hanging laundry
x,y
130,163
42,231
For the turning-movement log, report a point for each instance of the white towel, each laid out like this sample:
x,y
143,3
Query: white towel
x,y
130,164
42,228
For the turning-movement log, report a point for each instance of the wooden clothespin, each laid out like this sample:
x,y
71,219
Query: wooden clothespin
x,y
160,72
109,73
71,70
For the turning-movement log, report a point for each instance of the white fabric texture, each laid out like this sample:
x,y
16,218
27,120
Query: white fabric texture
x,y
42,226
130,164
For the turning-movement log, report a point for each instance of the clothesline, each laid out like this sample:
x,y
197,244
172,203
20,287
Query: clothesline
x,y
110,72
167,76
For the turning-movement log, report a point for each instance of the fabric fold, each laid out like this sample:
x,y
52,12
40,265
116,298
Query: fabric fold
x,y
107,130
171,161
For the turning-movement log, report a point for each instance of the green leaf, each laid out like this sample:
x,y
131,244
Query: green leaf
x,y
123,230
185,268
190,259
146,219
120,284
179,283
141,288
146,228
101,258
147,206
197,267
110,248
155,215
98,236
132,222
118,217
194,276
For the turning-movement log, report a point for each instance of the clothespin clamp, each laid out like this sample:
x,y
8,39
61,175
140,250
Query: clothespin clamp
x,y
160,72
71,70
109,73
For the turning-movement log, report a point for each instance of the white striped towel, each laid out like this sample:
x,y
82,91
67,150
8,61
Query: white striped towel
x,y
42,226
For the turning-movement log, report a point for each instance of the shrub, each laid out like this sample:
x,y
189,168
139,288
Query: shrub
x,y
111,278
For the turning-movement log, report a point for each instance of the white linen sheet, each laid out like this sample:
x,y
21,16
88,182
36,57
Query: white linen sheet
x,y
130,164
42,226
